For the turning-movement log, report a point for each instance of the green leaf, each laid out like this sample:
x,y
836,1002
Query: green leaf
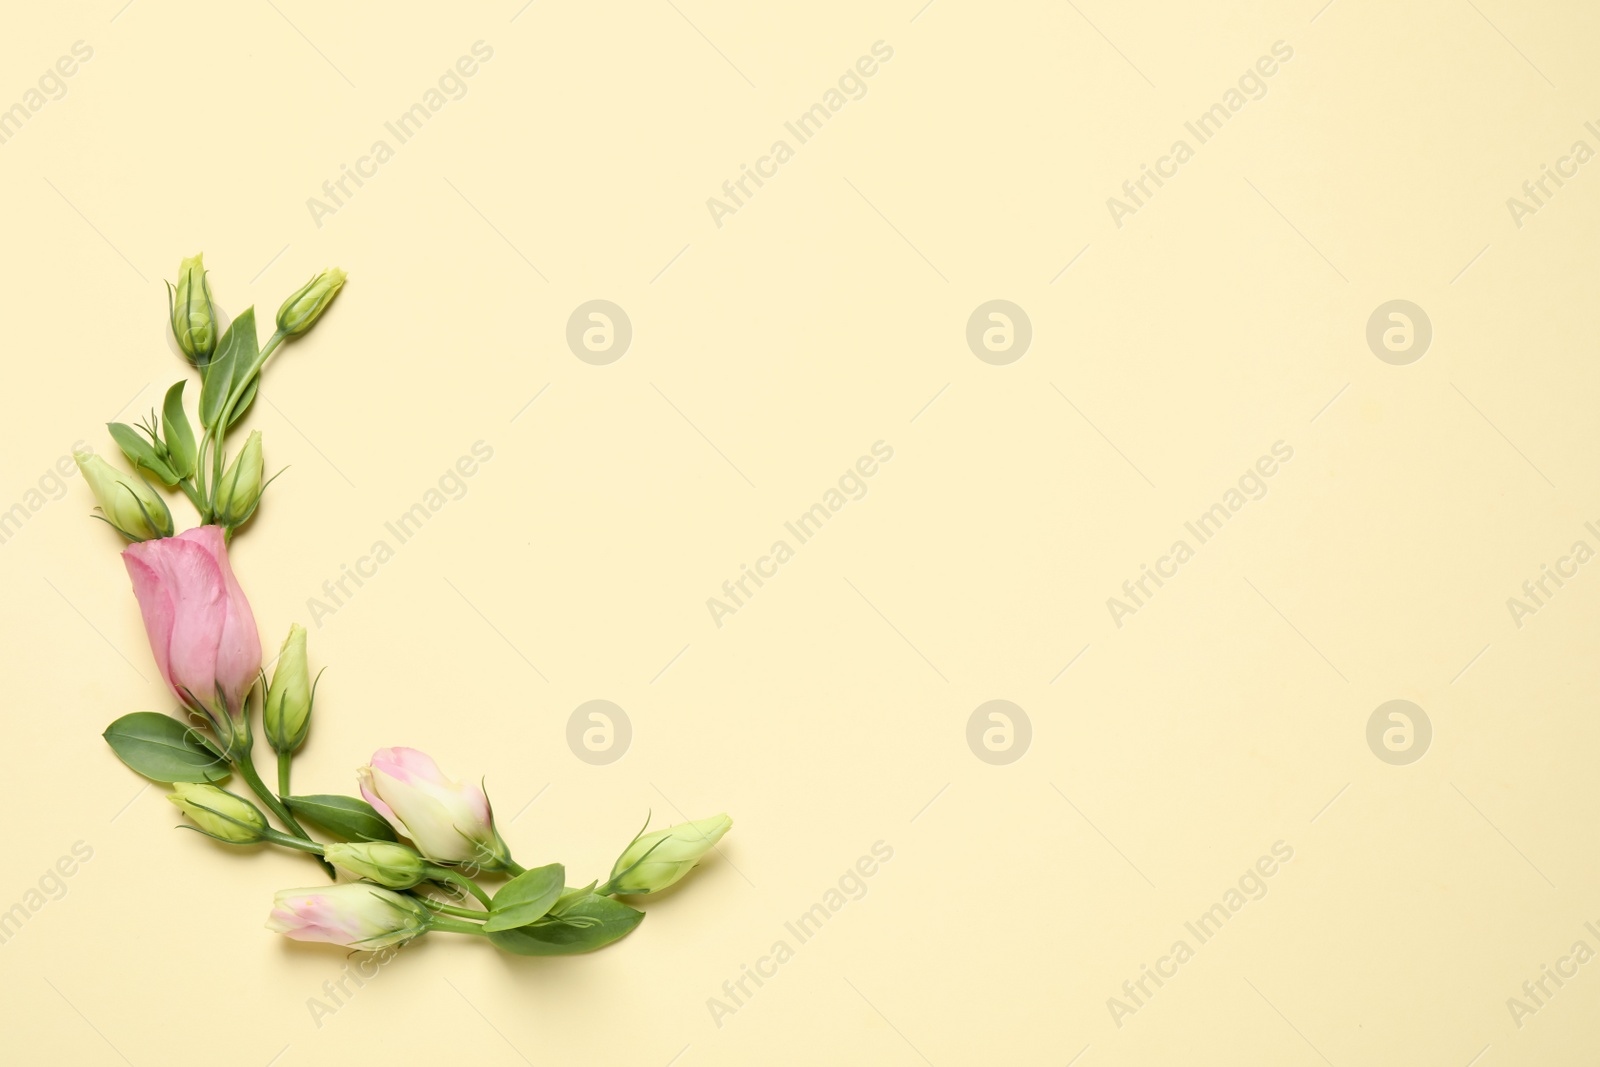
x,y
246,398
163,749
141,452
178,433
236,355
567,898
348,817
526,898
559,935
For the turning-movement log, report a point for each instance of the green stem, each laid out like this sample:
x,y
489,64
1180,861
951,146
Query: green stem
x,y
207,492
237,388
293,842
214,435
451,909
252,778
203,501
284,759
194,494
446,874
441,923
247,769
216,462
512,866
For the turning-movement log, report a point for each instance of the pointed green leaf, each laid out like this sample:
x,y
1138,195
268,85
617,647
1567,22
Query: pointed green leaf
x,y
246,398
163,749
346,817
177,432
585,925
526,898
141,453
236,355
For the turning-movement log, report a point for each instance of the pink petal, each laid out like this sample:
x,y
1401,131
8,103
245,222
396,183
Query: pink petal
x,y
480,802
407,765
155,605
189,611
239,643
364,782
315,918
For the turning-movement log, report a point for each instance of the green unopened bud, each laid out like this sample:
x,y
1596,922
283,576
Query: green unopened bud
x,y
383,862
655,861
194,318
304,307
287,712
128,503
220,814
239,491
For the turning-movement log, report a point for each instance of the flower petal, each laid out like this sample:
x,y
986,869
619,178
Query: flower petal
x,y
239,643
190,611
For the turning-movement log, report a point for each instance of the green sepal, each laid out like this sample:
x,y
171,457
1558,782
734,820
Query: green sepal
x,y
235,358
588,923
177,432
163,749
347,817
526,898
142,453
568,897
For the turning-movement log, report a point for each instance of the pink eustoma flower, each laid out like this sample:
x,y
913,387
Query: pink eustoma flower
x,y
199,623
448,822
355,915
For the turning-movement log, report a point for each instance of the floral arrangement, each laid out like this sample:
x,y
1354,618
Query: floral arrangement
x,y
204,639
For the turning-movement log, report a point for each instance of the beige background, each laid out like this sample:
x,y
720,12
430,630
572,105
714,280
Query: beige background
x,y
830,713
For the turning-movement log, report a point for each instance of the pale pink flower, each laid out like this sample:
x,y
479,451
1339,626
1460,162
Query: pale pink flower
x,y
355,915
446,820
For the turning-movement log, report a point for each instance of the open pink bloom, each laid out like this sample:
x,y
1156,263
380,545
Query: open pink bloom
x,y
199,623
355,915
446,820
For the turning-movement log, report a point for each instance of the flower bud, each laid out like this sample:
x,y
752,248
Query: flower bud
x,y
385,862
287,712
655,861
239,491
202,632
219,813
134,509
194,318
304,307
448,821
354,915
